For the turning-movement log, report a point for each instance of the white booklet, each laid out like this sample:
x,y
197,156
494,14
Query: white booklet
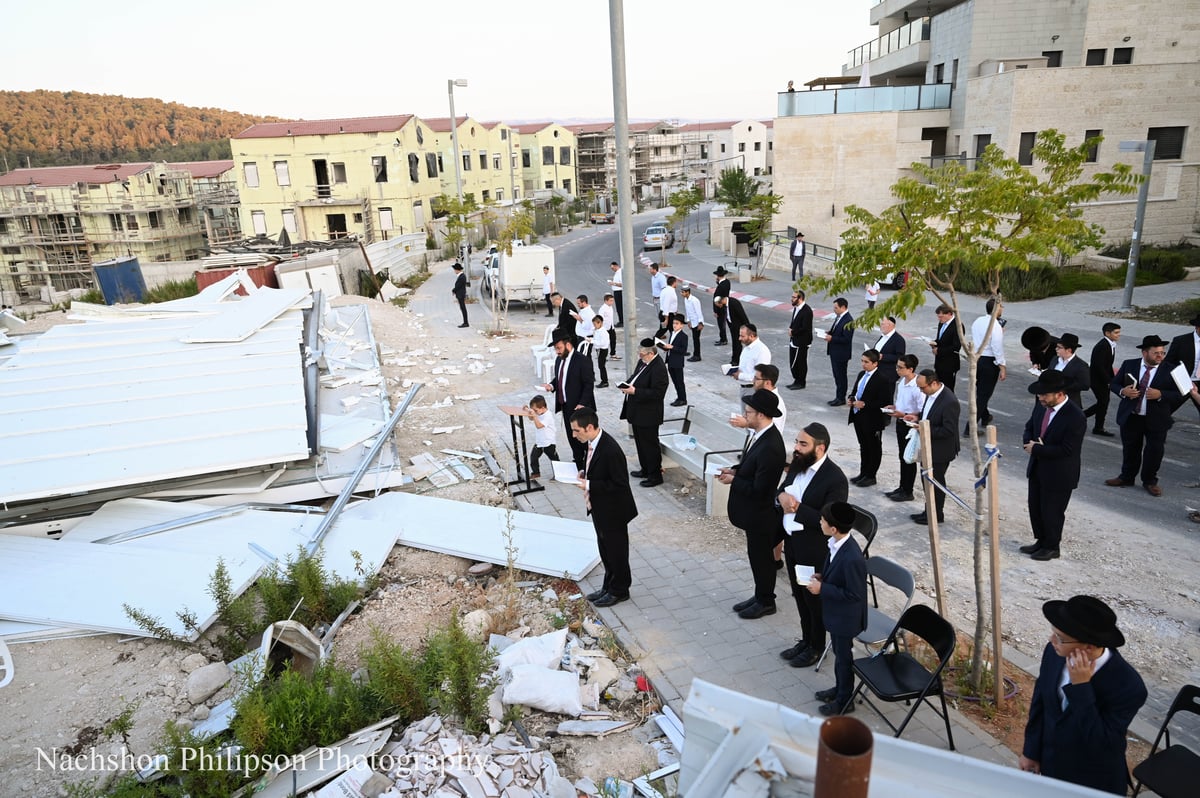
x,y
565,471
790,524
804,574
1183,380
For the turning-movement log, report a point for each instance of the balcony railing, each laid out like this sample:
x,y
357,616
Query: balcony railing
x,y
929,96
913,33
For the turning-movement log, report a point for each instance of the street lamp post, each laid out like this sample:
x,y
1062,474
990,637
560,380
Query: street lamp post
x,y
450,84
1135,244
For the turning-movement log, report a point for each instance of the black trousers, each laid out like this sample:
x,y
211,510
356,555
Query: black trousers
x,y
722,325
843,667
578,450
986,376
602,363
797,266
612,344
735,350
1141,450
760,551
613,543
535,454
1047,511
462,305
696,342
1100,408
645,439
676,373
549,305
619,301
839,365
812,623
939,497
908,471
947,377
870,446
798,363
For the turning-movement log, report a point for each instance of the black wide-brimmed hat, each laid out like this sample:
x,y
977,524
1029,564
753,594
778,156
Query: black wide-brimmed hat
x,y
1069,341
561,335
1050,381
1151,341
1086,619
1195,322
458,267
720,272
763,401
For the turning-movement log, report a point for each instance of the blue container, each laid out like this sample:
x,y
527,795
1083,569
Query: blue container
x,y
120,280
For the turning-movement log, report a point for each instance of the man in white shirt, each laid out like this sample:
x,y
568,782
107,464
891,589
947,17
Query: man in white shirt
x,y
618,294
605,311
754,352
668,305
548,289
765,375
583,315
991,365
908,401
658,282
694,315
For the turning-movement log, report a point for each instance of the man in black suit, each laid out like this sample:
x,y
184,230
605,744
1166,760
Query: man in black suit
x,y
675,344
642,407
722,290
572,385
871,393
610,504
735,319
842,585
942,410
1084,699
796,254
800,336
839,340
812,481
566,311
1074,369
460,291
1100,374
752,498
891,346
1148,397
1054,441
946,344
1183,351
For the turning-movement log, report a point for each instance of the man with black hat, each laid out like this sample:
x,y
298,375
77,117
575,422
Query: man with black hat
x,y
460,291
1053,439
1148,397
675,343
1073,368
796,254
642,407
731,314
572,385
721,290
800,337
566,314
1084,699
752,498
1100,370
1184,350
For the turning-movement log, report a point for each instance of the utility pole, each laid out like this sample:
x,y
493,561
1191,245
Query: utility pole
x,y
450,84
616,13
1135,244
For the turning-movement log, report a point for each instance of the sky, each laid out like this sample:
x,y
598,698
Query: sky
x,y
686,60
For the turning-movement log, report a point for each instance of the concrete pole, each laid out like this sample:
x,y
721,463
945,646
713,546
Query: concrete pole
x,y
616,14
457,164
1135,245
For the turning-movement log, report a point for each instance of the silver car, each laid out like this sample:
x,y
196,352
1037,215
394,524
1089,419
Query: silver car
x,y
658,237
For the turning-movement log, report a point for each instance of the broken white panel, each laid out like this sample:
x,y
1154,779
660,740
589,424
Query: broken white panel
x,y
7,669
898,767
339,433
315,766
237,321
426,466
18,632
545,544
248,484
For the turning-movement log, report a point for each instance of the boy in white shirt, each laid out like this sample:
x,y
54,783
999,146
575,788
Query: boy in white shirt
x,y
607,309
548,289
545,434
599,341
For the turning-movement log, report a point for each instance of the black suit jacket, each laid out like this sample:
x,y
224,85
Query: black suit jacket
x,y
752,492
889,353
841,337
800,329
608,485
1085,743
644,407
580,381
1183,350
565,320
943,426
844,590
722,289
1158,414
877,393
737,316
945,357
677,354
1078,377
460,286
1100,371
1055,461
829,484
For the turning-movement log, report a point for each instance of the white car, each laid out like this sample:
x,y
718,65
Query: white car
x,y
658,237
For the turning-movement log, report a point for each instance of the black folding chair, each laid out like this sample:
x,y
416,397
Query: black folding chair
x,y
879,623
867,525
893,675
1174,771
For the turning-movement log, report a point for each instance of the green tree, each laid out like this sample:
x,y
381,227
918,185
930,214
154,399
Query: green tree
x,y
736,189
556,204
457,222
763,208
685,201
951,222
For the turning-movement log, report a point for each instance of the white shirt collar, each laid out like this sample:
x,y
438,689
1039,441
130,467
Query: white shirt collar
x,y
835,545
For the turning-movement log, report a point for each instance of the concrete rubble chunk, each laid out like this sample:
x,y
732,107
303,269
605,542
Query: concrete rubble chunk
x,y
193,662
203,682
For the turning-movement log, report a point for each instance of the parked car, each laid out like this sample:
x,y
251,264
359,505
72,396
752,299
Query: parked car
x,y
658,237
603,218
895,280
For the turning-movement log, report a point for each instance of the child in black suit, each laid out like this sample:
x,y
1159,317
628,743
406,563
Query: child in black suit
x,y
842,586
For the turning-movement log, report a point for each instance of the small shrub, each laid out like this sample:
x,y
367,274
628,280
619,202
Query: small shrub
x,y
454,668
92,296
1165,263
172,289
430,242
1038,281
394,677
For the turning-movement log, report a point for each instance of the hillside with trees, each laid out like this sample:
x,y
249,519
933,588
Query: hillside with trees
x,y
54,128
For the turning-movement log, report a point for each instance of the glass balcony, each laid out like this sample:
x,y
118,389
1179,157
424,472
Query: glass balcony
x,y
929,96
914,32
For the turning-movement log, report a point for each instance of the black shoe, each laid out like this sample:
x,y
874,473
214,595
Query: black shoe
x,y
602,384
923,518
835,708
596,594
618,325
893,492
757,610
854,479
639,474
608,599
1102,433
463,325
900,496
967,431
794,651
866,482
676,403
1041,555
836,402
741,605
826,695
1030,549
721,343
806,660
693,360
651,482
779,565
793,386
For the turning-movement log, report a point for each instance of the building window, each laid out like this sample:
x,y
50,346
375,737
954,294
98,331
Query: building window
x,y
564,156
440,166
185,215
525,159
1053,57
289,220
250,173
281,173
258,220
483,159
1025,151
496,161
703,152
566,185
431,165
939,73
757,171
770,146
549,184
722,147
385,219
1095,57
547,156
466,161
114,219
1093,151
657,151
131,223
414,167
741,146
420,135
499,195
758,146
379,167
954,75
358,218
1168,142
503,134
485,195
155,220
981,143
1122,55
339,172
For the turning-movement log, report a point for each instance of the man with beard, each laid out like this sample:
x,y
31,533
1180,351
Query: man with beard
x,y
800,336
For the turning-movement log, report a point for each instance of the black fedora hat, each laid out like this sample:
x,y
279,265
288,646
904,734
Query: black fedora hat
x,y
458,267
1151,341
1069,341
720,272
1086,619
561,335
763,401
1050,381
1195,322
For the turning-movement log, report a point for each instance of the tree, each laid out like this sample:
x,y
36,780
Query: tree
x,y
518,227
951,222
457,223
736,189
556,203
763,208
685,200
